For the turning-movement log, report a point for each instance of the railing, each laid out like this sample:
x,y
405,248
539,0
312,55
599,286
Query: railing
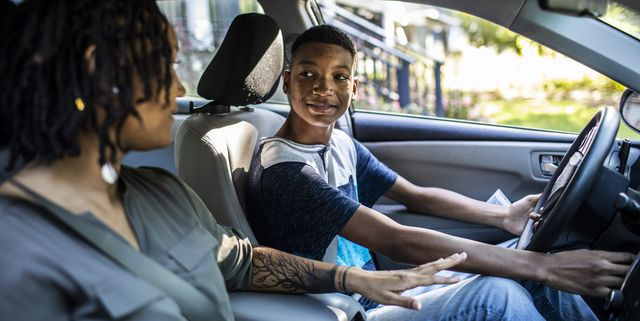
x,y
391,76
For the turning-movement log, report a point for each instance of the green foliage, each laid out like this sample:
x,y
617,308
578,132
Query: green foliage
x,y
564,115
481,33
623,18
484,33
598,91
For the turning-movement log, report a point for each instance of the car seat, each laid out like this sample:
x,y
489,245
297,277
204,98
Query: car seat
x,y
214,148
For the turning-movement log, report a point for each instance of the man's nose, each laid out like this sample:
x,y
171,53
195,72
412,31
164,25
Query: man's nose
x,y
323,86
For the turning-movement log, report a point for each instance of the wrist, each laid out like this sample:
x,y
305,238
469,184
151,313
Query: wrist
x,y
351,278
502,216
541,265
343,279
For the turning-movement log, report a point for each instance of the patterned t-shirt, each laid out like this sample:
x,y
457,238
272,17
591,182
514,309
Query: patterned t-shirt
x,y
300,196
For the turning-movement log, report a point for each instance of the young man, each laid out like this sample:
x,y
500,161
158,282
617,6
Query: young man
x,y
311,183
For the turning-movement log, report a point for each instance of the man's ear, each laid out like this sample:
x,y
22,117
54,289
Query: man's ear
x,y
355,87
286,81
90,58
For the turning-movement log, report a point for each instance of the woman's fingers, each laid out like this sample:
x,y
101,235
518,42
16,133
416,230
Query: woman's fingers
x,y
440,280
403,301
442,264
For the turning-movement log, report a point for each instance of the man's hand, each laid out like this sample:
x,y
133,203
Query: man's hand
x,y
518,214
385,287
586,272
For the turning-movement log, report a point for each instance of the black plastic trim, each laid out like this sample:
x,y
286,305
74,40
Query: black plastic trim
x,y
380,127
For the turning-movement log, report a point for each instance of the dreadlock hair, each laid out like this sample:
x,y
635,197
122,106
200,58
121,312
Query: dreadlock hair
x,y
325,34
45,71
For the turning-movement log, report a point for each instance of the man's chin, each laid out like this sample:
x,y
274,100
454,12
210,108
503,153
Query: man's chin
x,y
319,121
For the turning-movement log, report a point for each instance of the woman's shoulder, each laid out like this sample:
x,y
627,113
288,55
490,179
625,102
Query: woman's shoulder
x,y
151,187
148,174
151,179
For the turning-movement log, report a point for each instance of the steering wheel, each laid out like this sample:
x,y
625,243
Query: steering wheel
x,y
571,182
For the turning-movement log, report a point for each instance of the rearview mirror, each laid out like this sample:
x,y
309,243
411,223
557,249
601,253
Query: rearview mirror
x,y
596,8
630,109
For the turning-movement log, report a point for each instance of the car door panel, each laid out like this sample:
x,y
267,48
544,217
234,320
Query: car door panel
x,y
472,168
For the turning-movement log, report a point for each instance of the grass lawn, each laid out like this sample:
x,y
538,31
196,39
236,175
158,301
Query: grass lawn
x,y
569,116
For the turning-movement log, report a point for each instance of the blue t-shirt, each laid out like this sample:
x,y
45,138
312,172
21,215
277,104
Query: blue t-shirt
x,y
300,196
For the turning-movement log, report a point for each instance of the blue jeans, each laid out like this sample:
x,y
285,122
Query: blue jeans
x,y
488,298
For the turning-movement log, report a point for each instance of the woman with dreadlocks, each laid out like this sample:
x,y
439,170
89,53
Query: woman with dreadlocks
x,y
84,82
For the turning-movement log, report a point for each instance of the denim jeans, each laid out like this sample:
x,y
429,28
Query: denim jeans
x,y
488,298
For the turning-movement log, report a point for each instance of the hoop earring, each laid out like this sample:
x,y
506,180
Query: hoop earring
x,y
109,174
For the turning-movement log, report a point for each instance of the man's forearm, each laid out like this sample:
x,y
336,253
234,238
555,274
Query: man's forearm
x,y
276,271
448,204
417,245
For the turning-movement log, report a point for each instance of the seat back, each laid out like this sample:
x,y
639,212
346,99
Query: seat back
x,y
213,155
214,147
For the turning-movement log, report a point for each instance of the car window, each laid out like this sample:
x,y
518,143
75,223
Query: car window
x,y
201,27
423,60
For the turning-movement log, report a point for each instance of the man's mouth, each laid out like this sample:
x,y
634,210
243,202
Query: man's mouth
x,y
321,107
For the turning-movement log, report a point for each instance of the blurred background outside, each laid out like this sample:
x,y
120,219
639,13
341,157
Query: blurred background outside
x,y
422,60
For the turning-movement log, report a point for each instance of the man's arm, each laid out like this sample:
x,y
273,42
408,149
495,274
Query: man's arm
x,y
581,271
276,271
448,204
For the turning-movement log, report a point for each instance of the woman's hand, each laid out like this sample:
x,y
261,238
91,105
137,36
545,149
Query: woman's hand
x,y
518,214
385,287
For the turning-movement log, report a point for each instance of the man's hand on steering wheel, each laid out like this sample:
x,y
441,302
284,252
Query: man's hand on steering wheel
x,y
518,214
587,272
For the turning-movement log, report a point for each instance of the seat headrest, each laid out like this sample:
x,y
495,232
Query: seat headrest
x,y
247,67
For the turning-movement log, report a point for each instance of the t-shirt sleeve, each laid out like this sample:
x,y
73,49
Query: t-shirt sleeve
x,y
234,255
300,213
374,177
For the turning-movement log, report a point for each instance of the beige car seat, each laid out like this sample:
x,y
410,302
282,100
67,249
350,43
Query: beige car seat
x,y
214,148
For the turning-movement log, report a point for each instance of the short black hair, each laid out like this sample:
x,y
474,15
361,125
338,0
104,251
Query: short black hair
x,y
324,34
50,95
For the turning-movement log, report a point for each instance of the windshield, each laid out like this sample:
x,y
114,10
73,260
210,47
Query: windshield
x,y
624,15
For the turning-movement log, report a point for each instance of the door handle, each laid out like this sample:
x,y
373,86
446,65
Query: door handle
x,y
549,164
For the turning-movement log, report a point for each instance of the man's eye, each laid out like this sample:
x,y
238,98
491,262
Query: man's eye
x,y
342,77
306,74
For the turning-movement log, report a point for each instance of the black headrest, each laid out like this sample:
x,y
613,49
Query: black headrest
x,y
247,67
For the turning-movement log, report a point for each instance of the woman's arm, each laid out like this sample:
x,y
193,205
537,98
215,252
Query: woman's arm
x,y
276,271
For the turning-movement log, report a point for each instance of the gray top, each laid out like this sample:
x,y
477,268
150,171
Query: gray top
x,y
48,273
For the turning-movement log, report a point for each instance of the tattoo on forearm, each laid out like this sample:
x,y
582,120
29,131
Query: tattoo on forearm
x,y
281,272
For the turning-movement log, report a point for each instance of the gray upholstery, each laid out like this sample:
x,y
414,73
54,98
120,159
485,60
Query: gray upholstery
x,y
213,154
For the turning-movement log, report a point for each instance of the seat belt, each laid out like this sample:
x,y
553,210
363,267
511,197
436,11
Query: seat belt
x,y
195,306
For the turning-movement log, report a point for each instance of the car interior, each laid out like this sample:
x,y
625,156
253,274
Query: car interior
x,y
213,147
216,136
